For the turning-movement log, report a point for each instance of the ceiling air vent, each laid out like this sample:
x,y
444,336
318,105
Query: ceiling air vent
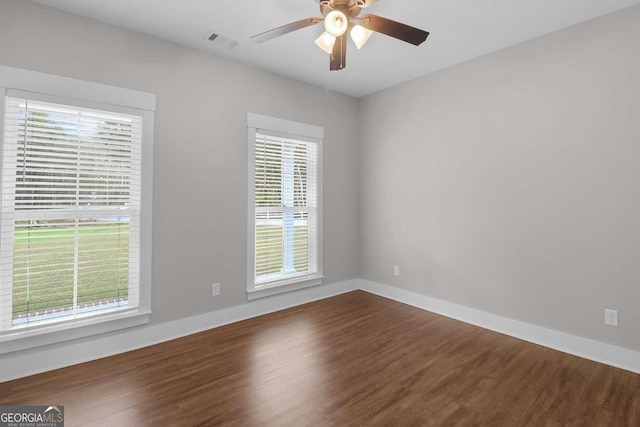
x,y
219,40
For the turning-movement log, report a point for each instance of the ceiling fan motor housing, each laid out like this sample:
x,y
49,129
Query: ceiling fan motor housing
x,y
365,3
351,8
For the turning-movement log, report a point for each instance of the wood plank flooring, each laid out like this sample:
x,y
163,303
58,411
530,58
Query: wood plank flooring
x,y
355,359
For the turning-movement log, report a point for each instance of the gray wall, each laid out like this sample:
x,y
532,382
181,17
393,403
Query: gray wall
x,y
511,183
200,197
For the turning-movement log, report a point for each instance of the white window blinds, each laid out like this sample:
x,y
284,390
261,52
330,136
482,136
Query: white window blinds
x,y
70,213
286,209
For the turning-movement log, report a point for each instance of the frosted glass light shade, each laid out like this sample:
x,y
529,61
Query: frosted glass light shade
x,y
336,23
360,35
326,42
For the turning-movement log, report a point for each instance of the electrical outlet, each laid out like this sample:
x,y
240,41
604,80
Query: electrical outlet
x,y
396,270
611,317
215,289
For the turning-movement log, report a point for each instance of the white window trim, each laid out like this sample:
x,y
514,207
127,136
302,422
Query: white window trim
x,y
91,95
294,130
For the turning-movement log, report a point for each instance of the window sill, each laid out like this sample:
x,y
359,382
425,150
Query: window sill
x,y
17,340
280,288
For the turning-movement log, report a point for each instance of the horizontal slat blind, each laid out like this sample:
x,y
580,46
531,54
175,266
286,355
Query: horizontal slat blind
x,y
70,212
286,208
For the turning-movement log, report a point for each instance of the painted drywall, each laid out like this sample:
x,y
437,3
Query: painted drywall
x,y
507,184
200,164
510,183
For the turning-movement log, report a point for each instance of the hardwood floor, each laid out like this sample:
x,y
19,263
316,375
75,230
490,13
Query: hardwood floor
x,y
355,359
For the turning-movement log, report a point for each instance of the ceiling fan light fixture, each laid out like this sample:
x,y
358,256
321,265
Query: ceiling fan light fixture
x,y
340,16
360,35
336,23
326,42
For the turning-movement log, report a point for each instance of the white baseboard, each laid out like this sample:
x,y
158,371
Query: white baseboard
x,y
34,361
588,349
24,363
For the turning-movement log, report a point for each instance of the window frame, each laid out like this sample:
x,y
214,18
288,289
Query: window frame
x,y
296,131
63,90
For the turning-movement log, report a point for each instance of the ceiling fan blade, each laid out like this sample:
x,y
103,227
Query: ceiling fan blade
x,y
285,29
394,29
339,55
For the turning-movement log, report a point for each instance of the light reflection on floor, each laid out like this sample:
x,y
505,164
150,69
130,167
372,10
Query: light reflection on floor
x,y
285,364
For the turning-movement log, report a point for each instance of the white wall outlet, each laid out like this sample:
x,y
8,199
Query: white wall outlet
x,y
396,270
611,317
215,289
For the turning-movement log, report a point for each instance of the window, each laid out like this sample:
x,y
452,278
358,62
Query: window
x,y
285,221
71,214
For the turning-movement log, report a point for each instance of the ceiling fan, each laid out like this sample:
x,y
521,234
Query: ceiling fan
x,y
341,16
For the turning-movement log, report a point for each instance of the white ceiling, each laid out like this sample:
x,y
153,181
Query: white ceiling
x,y
460,30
